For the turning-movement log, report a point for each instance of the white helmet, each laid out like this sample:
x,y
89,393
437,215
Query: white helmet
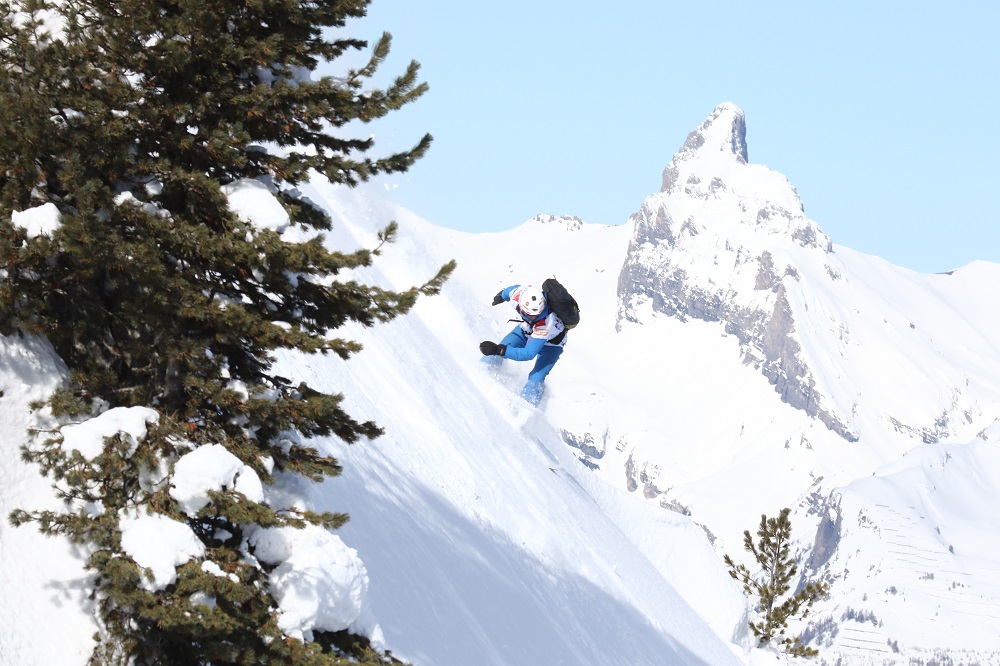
x,y
531,301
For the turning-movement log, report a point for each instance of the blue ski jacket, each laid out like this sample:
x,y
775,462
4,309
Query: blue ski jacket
x,y
545,329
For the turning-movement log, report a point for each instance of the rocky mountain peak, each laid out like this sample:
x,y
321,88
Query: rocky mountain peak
x,y
723,241
721,136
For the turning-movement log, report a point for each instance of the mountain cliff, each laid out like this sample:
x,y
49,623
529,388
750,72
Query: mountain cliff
x,y
717,244
727,241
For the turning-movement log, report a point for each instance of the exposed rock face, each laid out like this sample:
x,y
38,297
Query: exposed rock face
x,y
828,534
636,474
569,222
725,131
721,243
591,449
586,443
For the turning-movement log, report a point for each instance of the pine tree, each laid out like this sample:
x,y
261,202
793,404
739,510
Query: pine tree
x,y
131,117
773,581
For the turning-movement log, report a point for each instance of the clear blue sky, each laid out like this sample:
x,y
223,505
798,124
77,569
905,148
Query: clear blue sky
x,y
882,114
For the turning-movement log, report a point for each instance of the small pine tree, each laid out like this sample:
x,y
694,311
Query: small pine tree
x,y
131,118
777,570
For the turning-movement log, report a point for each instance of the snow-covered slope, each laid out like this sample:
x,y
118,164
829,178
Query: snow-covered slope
x,y
912,559
731,361
486,541
483,539
870,363
44,613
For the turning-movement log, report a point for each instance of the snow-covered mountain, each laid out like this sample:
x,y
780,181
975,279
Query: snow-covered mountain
x,y
731,361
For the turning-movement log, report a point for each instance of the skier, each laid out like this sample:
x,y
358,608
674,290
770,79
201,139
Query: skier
x,y
541,335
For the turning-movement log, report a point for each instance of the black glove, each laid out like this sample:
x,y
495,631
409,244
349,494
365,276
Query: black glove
x,y
492,349
498,299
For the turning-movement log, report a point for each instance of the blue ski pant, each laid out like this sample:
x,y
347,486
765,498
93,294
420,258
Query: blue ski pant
x,y
544,362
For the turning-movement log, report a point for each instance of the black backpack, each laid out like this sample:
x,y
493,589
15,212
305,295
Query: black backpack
x,y
561,302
